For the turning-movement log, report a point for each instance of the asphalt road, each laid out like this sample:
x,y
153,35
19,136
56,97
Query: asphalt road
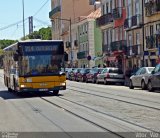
x,y
83,107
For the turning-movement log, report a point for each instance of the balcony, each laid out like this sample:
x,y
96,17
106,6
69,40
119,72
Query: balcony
x,y
134,50
106,48
81,55
151,42
117,13
120,46
68,44
54,11
136,20
152,7
104,20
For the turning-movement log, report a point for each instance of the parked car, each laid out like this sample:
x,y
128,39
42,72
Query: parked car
x,y
140,78
92,75
108,75
68,72
154,79
81,76
74,73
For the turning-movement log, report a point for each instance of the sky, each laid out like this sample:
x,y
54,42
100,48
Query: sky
x,y
11,12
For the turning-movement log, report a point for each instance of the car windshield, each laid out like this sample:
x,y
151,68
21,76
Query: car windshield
x,y
118,71
41,65
150,69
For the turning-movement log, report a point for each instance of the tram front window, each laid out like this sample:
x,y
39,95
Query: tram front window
x,y
41,65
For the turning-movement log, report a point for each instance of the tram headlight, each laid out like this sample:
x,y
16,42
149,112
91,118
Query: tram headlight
x,y
22,86
63,84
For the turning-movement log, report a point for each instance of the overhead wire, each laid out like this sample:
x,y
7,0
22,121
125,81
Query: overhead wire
x,y
40,8
16,23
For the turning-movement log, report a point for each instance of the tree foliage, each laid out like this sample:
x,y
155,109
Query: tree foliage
x,y
5,42
43,33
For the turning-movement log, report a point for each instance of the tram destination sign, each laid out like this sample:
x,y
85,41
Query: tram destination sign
x,y
40,49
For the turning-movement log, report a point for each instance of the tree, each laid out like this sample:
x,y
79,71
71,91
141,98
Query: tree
x,y
43,33
5,42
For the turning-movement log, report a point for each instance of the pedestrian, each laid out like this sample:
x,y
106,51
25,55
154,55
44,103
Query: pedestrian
x,y
127,76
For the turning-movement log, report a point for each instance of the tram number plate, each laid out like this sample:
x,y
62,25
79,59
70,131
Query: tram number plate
x,y
42,90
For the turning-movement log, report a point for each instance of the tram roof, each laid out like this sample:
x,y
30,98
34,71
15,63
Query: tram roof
x,y
31,41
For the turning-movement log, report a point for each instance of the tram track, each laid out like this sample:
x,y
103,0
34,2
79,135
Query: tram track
x,y
117,99
121,135
113,93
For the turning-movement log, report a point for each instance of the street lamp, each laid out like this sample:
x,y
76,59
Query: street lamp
x,y
69,20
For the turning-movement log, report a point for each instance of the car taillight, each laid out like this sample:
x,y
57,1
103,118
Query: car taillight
x,y
107,75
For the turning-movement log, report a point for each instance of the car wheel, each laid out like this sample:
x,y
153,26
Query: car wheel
x,y
131,85
143,85
150,88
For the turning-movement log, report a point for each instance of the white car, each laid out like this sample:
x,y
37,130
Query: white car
x,y
140,78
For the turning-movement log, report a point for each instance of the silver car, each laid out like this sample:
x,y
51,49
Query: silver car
x,y
111,75
140,78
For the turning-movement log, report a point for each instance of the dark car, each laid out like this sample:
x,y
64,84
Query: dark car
x,y
92,75
154,79
81,76
74,73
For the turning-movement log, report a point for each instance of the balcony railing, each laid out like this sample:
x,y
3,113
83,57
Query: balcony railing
x,y
152,7
54,11
136,20
81,55
104,19
151,42
117,13
106,48
136,49
119,46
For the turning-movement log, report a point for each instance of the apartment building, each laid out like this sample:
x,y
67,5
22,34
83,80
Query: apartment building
x,y
90,40
133,25
114,38
151,32
63,14
105,23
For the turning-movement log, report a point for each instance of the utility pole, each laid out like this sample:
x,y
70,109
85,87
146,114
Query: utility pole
x,y
23,20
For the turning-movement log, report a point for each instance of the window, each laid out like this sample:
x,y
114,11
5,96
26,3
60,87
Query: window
x,y
103,9
157,69
107,8
137,7
137,38
151,30
143,71
116,33
139,71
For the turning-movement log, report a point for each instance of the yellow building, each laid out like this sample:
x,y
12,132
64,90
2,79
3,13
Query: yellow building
x,y
133,26
151,32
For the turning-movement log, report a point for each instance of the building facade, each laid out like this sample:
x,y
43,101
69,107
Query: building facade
x,y
63,14
90,41
151,32
133,26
